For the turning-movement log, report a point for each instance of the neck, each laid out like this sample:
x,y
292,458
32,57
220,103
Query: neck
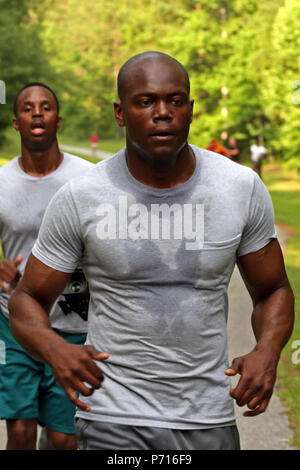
x,y
40,163
166,174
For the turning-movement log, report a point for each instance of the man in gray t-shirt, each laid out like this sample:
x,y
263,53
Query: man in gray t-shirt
x,y
29,393
158,228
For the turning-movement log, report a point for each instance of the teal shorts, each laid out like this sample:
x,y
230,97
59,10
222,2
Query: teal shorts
x,y
28,388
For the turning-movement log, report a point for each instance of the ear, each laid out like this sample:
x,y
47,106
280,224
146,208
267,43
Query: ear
x,y
192,110
59,119
16,124
119,115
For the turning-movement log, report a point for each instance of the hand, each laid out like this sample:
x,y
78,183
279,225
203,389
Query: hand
x,y
255,387
9,274
73,367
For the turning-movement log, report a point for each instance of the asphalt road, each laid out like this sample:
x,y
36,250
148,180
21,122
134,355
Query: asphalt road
x,y
269,431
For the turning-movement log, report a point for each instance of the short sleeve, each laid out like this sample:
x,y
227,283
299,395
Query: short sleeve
x,y
59,243
260,226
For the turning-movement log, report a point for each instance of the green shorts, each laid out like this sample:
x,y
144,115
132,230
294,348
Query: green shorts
x,y
28,388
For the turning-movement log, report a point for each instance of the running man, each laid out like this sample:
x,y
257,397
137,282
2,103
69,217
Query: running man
x,y
29,393
158,228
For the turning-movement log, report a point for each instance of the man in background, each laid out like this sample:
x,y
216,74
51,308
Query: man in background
x,y
233,150
257,153
29,394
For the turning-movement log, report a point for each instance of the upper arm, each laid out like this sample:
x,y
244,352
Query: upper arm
x,y
42,282
263,271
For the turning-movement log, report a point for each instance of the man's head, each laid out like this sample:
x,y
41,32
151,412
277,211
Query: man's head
x,y
154,106
232,141
36,110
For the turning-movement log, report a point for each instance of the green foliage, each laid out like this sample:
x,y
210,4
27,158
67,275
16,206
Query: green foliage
x,y
241,55
284,108
22,58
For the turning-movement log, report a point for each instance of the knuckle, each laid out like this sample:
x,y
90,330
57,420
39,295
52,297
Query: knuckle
x,y
67,375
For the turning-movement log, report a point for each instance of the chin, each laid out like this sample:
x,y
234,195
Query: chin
x,y
161,156
39,145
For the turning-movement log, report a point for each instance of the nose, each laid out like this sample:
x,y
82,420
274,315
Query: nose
x,y
162,111
37,110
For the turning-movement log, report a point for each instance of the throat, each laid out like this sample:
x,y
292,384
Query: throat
x,y
163,173
39,164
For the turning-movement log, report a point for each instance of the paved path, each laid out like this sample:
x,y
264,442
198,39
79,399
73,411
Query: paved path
x,y
85,151
269,431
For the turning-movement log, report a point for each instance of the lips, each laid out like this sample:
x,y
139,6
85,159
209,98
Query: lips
x,y
162,136
37,128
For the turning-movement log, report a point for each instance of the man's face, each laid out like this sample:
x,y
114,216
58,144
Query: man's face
x,y
37,118
156,110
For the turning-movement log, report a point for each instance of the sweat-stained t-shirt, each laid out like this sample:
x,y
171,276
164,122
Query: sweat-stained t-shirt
x,y
158,263
23,201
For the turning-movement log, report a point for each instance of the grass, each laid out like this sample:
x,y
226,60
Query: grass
x,y
284,187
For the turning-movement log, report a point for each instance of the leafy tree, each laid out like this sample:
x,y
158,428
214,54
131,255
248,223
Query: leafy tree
x,y
283,103
22,58
241,55
223,46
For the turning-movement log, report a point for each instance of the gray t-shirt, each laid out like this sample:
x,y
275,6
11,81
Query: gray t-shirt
x,y
158,263
23,201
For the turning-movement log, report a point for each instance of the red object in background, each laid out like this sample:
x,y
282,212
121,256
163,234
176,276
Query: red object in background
x,y
215,146
94,139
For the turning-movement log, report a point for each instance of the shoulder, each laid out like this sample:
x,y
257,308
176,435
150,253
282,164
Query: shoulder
x,y
98,175
217,166
224,179
9,166
76,161
74,167
10,171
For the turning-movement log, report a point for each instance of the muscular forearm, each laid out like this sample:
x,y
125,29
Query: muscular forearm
x,y
31,327
273,319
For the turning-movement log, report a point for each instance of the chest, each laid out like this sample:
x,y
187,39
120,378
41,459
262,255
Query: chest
x,y
166,242
22,207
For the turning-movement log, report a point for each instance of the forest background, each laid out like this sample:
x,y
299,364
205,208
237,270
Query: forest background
x,y
242,57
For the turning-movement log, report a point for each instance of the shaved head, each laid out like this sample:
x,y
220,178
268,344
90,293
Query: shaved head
x,y
129,66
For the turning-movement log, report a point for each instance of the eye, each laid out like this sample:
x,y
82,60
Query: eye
x,y
144,102
177,100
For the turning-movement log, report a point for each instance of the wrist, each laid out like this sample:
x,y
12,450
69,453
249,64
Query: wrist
x,y
52,343
268,349
47,344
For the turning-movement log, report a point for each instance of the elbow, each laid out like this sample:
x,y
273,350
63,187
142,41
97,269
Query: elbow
x,y
12,303
11,309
